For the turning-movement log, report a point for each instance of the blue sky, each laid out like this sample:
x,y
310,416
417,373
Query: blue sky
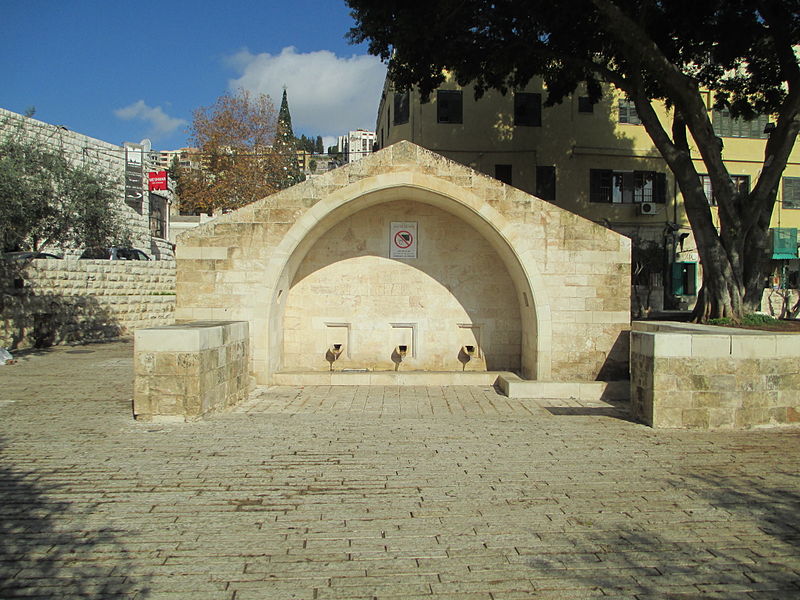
x,y
124,71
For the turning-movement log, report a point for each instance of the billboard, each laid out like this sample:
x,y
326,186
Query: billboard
x,y
134,194
157,180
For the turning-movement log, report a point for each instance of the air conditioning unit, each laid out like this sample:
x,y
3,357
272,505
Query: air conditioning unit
x,y
648,208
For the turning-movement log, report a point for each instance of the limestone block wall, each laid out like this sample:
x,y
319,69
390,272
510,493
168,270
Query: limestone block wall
x,y
456,293
706,377
186,371
47,302
570,277
101,156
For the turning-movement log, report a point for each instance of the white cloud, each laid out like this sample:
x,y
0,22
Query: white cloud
x,y
161,124
328,95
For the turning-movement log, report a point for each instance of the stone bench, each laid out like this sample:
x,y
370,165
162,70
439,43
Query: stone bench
x,y
186,371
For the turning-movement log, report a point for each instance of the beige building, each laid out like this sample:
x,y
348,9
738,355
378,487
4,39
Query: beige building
x,y
595,160
188,158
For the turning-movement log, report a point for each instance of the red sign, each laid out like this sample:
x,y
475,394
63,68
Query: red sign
x,y
157,180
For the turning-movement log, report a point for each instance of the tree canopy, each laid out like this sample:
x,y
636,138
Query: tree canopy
x,y
244,154
47,201
743,52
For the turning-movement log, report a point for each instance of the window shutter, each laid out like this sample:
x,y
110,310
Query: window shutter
x,y
660,191
677,279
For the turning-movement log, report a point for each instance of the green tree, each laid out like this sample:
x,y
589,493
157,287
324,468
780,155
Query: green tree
x,y
670,51
318,147
288,172
46,200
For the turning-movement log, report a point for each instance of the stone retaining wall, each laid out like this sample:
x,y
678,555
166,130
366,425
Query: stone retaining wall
x,y
48,302
706,377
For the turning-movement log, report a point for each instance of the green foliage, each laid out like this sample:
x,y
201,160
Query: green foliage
x,y
310,144
723,321
751,320
759,319
47,200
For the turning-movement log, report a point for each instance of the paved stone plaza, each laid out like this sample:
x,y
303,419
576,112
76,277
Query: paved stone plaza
x,y
357,492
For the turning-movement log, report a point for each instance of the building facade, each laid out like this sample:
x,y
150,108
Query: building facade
x,y
596,160
356,144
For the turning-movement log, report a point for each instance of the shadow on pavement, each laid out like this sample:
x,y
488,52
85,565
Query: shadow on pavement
x,y
41,558
617,409
741,541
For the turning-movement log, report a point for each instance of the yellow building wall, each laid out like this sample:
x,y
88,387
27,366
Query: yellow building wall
x,y
574,142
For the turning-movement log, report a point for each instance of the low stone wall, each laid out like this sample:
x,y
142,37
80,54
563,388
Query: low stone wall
x,y
706,377
186,371
50,302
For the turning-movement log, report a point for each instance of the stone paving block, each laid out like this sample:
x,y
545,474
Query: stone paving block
x,y
460,492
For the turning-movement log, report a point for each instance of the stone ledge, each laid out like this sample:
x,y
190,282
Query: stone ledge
x,y
515,387
401,378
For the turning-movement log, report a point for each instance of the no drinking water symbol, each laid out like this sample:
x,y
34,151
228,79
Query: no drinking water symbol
x,y
403,239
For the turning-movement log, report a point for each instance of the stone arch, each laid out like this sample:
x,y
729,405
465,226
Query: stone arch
x,y
516,251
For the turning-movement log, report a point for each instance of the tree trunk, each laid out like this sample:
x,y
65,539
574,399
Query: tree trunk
x,y
721,294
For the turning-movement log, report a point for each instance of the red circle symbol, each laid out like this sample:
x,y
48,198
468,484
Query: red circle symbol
x,y
403,239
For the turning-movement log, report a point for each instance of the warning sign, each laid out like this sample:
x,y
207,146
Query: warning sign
x,y
403,239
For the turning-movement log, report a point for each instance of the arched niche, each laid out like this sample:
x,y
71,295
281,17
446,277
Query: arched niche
x,y
515,251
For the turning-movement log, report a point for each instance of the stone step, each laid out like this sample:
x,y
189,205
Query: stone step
x,y
515,387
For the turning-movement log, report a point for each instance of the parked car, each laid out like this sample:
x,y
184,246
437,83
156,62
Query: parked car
x,y
29,255
115,253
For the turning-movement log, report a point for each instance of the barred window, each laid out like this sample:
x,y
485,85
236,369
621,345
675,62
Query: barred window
x,y
627,187
741,182
628,114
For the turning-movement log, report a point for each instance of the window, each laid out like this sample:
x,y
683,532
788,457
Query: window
x,y
527,109
503,173
449,107
727,126
791,192
401,107
546,183
741,182
684,278
158,212
585,105
625,187
627,113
